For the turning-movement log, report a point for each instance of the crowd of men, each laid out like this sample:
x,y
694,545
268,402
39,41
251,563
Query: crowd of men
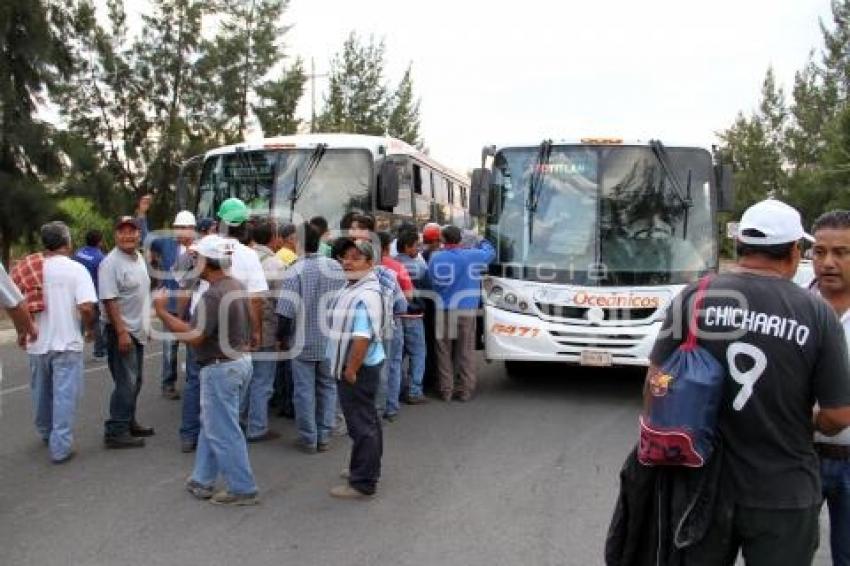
x,y
338,330
328,329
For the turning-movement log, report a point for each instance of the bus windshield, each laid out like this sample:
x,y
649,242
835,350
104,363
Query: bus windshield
x,y
328,184
602,215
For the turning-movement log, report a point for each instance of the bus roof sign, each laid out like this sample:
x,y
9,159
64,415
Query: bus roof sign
x,y
602,141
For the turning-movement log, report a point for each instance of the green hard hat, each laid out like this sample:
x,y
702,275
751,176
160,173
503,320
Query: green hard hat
x,y
233,211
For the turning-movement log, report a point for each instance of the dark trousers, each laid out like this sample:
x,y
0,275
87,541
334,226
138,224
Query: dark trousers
x,y
765,537
126,370
430,381
282,397
364,428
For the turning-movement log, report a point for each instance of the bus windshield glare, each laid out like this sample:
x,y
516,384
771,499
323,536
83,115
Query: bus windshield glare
x,y
337,181
602,215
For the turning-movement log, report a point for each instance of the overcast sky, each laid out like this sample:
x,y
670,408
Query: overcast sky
x,y
521,71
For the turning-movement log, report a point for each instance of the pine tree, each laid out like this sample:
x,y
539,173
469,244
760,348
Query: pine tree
x,y
33,57
404,117
238,60
167,51
279,100
357,100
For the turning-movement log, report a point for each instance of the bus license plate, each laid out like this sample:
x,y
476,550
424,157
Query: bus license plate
x,y
596,359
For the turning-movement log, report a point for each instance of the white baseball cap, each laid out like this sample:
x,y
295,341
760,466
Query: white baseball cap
x,y
778,222
184,218
213,247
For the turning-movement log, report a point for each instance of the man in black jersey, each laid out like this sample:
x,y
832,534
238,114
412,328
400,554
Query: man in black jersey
x,y
784,350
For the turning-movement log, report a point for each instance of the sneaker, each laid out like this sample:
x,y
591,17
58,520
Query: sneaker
x,y
415,400
199,490
390,417
446,397
462,397
123,441
268,435
67,457
187,446
171,393
224,497
345,474
348,492
323,446
305,447
140,431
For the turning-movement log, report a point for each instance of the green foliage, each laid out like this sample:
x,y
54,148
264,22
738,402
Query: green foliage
x,y
801,152
32,58
357,100
404,116
279,100
81,216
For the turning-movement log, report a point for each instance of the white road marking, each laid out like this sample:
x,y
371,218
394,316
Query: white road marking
x,y
26,386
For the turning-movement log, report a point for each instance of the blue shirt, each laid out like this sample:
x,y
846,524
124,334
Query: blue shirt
x,y
90,257
362,328
456,275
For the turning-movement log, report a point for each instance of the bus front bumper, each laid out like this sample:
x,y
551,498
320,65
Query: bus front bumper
x,y
521,337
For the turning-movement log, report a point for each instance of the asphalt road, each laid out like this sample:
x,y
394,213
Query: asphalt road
x,y
525,474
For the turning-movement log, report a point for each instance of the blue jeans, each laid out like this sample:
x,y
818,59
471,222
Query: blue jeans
x,y
190,419
394,355
126,370
255,405
56,379
835,475
314,397
169,362
221,445
414,349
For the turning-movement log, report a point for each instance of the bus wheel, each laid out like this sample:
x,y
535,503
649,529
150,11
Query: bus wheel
x,y
517,371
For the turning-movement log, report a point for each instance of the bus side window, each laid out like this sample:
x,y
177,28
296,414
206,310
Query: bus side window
x,y
417,179
405,193
451,191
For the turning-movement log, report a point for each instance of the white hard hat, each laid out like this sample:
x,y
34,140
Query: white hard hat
x,y
184,218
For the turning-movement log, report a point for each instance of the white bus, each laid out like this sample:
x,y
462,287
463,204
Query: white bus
x,y
295,178
593,239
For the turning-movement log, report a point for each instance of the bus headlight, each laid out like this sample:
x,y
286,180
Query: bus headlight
x,y
507,300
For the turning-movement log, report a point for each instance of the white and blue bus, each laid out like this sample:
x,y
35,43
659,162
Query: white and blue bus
x,y
294,178
593,240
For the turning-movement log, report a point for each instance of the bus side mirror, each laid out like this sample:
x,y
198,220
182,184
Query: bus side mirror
x,y
479,191
388,186
725,189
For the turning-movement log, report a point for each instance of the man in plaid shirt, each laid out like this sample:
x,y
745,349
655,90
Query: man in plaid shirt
x,y
308,286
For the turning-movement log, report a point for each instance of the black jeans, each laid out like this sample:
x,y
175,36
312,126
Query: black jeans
x,y
126,370
765,537
364,428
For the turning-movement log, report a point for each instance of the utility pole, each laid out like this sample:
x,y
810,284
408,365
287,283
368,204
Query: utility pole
x,y
313,76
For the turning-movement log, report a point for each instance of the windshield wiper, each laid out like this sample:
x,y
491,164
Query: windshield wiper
x,y
684,196
309,169
535,183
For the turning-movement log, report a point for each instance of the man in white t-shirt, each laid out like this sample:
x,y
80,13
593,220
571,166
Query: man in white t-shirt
x,y
56,355
831,261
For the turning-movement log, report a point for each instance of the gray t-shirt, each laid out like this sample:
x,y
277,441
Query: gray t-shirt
x,y
125,278
10,295
783,349
223,331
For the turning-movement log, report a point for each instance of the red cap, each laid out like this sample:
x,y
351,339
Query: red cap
x,y
431,232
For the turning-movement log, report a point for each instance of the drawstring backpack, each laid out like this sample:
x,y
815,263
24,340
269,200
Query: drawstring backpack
x,y
677,427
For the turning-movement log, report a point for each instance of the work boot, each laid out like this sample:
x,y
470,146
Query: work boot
x,y
348,492
226,498
138,430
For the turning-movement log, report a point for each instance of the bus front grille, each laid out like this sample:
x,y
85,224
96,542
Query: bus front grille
x,y
556,313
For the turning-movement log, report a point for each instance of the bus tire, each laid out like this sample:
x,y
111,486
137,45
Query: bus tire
x,y
517,371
